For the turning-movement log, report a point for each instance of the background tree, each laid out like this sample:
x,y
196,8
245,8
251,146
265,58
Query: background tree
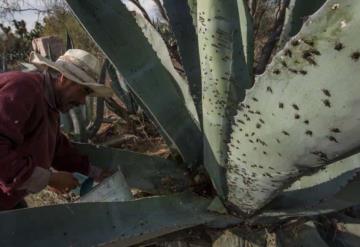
x,y
60,21
15,45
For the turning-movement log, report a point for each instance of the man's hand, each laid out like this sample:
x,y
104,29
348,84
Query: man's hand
x,y
63,182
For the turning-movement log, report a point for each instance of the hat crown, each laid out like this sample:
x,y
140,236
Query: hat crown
x,y
83,60
78,66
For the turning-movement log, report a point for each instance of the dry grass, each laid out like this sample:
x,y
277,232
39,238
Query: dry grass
x,y
47,197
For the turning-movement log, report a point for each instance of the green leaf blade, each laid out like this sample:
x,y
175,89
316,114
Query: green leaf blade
x,y
93,224
181,23
281,134
136,60
225,77
140,171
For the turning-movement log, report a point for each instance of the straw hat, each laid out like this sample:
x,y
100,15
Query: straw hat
x,y
78,66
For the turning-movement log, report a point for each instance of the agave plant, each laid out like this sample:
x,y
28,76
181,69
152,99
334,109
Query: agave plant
x,y
83,122
277,146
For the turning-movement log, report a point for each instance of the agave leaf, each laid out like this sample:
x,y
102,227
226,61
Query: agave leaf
x,y
50,54
66,122
297,12
95,123
303,235
120,89
112,189
347,197
79,124
313,189
347,232
3,63
193,11
27,67
159,46
224,78
181,24
134,57
247,34
88,110
220,46
280,134
148,173
217,206
93,224
65,118
69,43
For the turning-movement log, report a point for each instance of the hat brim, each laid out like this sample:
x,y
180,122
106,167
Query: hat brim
x,y
98,89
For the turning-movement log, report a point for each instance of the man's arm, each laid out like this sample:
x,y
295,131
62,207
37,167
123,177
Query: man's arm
x,y
67,158
28,177
17,101
15,169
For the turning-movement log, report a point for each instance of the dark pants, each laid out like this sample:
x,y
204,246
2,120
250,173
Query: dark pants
x,y
20,205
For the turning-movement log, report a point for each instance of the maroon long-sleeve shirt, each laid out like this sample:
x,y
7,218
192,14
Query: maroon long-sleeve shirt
x,y
30,135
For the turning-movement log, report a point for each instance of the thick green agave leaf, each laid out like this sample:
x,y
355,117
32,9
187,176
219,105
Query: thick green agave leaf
x,y
27,67
121,90
302,112
313,189
69,42
247,34
66,123
115,30
301,236
159,46
94,224
65,118
181,24
346,232
224,78
296,14
96,120
193,11
148,173
79,123
347,197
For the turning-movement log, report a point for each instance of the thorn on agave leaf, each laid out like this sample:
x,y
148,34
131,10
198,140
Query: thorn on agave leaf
x,y
295,107
339,46
335,130
327,103
326,92
276,72
355,56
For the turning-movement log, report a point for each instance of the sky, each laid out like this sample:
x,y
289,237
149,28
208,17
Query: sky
x,y
30,17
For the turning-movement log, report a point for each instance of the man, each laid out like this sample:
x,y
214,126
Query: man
x,y
30,137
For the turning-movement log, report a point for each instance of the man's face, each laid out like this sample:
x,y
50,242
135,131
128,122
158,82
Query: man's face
x,y
70,94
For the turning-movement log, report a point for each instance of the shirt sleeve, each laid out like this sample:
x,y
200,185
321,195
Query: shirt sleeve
x,y
67,158
16,106
38,180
